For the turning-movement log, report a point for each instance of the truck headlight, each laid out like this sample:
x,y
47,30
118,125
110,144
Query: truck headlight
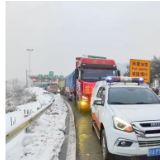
x,y
122,125
84,98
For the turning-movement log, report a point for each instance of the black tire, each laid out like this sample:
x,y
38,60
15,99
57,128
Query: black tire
x,y
105,151
79,108
75,101
68,96
92,123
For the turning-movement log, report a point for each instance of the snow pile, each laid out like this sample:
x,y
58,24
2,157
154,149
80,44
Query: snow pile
x,y
44,137
19,98
22,111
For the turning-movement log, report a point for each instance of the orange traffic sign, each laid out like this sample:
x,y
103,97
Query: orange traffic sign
x,y
140,68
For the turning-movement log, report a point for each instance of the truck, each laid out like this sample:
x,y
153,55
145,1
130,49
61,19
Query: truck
x,y
61,86
80,83
70,86
53,87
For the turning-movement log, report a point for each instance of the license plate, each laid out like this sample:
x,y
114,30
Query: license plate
x,y
154,152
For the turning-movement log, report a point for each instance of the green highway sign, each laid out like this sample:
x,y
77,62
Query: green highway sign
x,y
61,77
51,73
51,77
40,76
46,76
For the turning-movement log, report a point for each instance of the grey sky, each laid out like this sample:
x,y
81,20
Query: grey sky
x,y
61,31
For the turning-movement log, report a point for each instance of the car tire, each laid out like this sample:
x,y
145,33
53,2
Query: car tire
x,y
92,123
105,151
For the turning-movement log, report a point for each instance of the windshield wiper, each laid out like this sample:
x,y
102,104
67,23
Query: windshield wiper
x,y
145,103
142,103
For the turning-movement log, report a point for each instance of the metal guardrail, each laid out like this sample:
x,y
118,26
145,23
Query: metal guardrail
x,y
12,133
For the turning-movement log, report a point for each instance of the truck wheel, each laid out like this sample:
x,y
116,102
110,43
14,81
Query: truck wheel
x,y
75,101
104,146
68,96
79,108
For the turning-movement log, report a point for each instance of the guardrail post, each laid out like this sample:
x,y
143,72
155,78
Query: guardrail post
x,y
11,120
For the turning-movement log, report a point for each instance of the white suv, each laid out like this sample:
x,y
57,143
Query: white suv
x,y
126,118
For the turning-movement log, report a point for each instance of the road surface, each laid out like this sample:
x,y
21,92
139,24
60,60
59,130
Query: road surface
x,y
88,146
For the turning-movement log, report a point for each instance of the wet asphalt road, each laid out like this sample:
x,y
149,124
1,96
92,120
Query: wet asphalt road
x,y
88,146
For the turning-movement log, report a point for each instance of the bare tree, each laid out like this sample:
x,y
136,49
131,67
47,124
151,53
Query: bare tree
x,y
15,85
155,68
127,73
6,86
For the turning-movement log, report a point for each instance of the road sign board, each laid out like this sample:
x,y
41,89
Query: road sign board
x,y
46,76
61,77
56,76
50,73
90,56
40,76
140,68
51,77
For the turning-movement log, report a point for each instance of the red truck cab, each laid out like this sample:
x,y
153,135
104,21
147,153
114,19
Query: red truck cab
x,y
88,71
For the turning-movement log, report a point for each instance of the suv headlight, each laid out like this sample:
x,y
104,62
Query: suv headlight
x,y
122,125
84,98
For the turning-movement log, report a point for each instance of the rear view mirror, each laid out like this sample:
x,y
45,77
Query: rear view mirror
x,y
76,73
118,73
98,102
82,70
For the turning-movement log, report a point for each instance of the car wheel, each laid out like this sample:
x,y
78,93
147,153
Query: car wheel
x,y
92,123
104,146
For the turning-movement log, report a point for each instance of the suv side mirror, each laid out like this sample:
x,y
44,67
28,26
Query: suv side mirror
x,y
76,73
99,102
118,73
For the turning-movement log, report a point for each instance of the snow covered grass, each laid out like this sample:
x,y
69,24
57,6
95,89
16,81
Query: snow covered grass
x,y
44,138
22,111
19,98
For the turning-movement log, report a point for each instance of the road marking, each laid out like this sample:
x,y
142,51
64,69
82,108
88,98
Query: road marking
x,y
71,147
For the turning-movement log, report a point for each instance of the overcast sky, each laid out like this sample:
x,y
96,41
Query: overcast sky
x,y
60,31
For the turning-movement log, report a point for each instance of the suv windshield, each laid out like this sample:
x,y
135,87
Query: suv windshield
x,y
130,95
96,74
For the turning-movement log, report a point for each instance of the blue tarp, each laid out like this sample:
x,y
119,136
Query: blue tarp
x,y
70,81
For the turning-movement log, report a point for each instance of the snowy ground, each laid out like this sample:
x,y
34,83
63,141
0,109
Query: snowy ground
x,y
44,137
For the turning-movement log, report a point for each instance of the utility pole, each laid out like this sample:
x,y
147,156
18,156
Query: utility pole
x,y
6,89
26,79
29,50
29,72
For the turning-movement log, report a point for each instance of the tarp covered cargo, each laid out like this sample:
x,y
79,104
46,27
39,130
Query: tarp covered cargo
x,y
70,81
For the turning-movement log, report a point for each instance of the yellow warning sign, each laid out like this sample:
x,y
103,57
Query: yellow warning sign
x,y
140,68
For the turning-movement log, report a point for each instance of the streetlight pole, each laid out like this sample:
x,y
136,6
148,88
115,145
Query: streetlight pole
x,y
29,50
26,79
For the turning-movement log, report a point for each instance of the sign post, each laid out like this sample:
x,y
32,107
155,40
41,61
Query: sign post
x,y
140,68
51,75
40,76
